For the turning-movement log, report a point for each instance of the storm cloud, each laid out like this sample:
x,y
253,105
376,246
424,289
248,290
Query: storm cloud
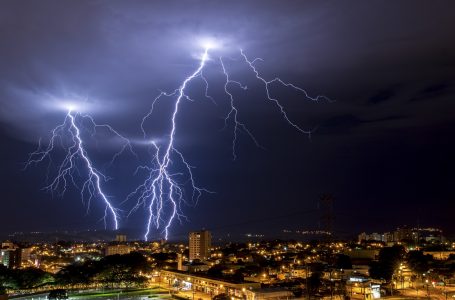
x,y
386,136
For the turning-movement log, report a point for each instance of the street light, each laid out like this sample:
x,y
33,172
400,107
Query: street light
x,y
428,288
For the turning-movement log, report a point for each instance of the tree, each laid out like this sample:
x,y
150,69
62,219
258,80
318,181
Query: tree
x,y
418,262
388,261
114,270
124,270
162,258
32,277
216,271
259,260
6,278
343,261
77,273
238,275
314,283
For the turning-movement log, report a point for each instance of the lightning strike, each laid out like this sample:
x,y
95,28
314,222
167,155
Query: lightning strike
x,y
76,161
161,192
268,83
233,113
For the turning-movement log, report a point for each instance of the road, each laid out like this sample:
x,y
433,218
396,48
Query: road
x,y
438,292
137,295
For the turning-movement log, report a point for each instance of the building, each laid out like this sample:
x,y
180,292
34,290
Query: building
x,y
362,237
405,234
387,237
370,237
8,245
300,272
368,254
117,249
363,287
439,255
182,281
179,262
26,255
120,238
199,244
10,258
195,266
268,294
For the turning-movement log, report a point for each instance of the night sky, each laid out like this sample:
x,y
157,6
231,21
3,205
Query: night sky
x,y
384,147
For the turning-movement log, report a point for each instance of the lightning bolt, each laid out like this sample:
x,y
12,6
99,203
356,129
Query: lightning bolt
x,y
76,161
268,83
160,189
233,113
161,193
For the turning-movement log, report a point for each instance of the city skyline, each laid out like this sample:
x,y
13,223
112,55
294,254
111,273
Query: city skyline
x,y
381,142
370,268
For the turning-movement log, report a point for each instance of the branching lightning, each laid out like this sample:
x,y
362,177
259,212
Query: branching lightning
x,y
233,113
160,189
76,162
161,193
267,84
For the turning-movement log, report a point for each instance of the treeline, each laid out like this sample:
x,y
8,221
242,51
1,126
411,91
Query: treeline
x,y
23,278
113,271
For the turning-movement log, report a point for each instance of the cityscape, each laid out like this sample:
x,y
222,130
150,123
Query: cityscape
x,y
198,268
227,150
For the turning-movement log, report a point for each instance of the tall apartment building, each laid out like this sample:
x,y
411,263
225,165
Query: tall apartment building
x,y
10,258
405,233
26,254
120,238
200,243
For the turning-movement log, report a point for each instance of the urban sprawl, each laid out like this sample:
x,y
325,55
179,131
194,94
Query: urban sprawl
x,y
408,263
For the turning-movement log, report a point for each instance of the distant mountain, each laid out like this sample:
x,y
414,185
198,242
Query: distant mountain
x,y
71,236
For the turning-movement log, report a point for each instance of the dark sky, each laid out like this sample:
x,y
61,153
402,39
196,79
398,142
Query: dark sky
x,y
384,147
